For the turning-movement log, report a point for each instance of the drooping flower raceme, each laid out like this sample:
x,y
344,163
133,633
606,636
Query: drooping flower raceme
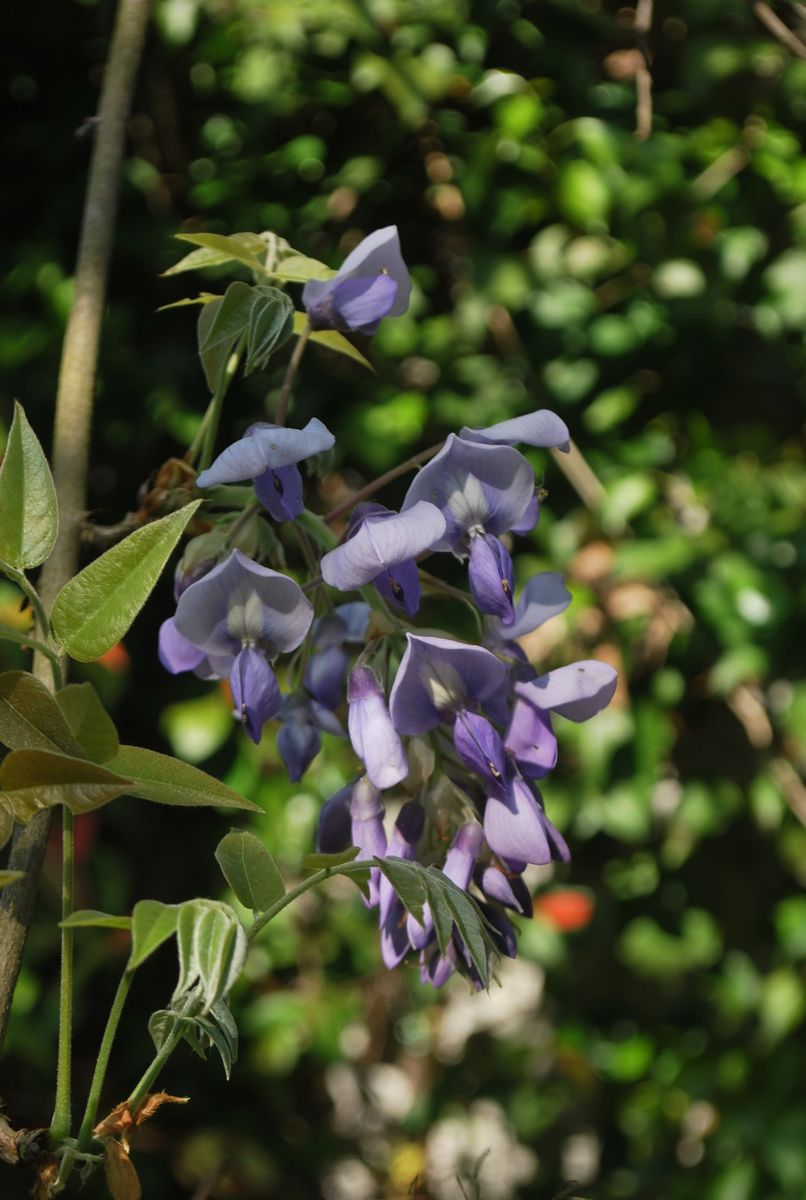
x,y
371,283
234,621
268,454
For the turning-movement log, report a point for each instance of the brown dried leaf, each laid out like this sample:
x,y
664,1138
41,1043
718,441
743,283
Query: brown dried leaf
x,y
117,1123
121,1177
153,1102
47,1172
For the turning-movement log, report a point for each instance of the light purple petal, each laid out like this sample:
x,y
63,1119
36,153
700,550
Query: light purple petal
x,y
437,677
381,542
378,253
506,889
479,744
403,844
366,811
255,691
361,303
476,487
461,857
530,517
578,691
514,826
395,943
371,731
492,577
531,741
176,652
544,597
542,428
266,446
400,585
240,601
280,492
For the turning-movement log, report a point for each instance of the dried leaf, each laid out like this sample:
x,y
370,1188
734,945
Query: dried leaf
x,y
121,1177
154,1101
117,1123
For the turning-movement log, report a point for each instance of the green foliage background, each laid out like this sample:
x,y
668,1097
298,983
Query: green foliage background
x,y
653,293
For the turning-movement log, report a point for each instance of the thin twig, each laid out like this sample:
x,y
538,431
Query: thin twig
x,y
370,489
72,431
293,366
786,36
581,476
643,76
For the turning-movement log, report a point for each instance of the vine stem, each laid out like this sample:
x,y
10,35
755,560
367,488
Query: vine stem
x,y
62,1116
370,489
290,375
102,1062
71,434
159,1060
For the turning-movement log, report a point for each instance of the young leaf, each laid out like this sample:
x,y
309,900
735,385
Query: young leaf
x,y
30,718
187,301
7,877
96,607
298,268
212,950
408,881
161,1025
332,340
271,323
27,498
166,780
89,721
440,912
250,870
217,248
86,918
218,1029
152,924
221,323
468,920
35,779
317,862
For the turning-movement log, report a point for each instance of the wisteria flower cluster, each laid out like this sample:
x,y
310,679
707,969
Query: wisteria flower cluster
x,y
452,738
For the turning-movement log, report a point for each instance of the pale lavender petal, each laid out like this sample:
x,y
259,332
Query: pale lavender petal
x,y
255,691
514,826
529,519
381,542
267,446
492,577
402,844
400,585
359,303
578,691
461,857
395,943
542,428
479,744
240,601
544,597
506,889
476,487
176,652
372,734
366,811
438,677
280,492
378,254
531,741
355,619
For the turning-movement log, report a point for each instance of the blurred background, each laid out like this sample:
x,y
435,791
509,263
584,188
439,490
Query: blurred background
x,y
648,1042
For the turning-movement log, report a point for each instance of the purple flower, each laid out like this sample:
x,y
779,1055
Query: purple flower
x,y
327,667
438,677
480,746
371,283
531,741
268,454
235,619
509,890
402,844
578,691
371,731
544,597
478,489
366,812
542,428
299,739
492,576
518,830
381,549
334,832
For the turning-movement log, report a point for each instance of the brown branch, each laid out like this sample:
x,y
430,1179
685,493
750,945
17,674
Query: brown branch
x,y
781,32
643,76
71,434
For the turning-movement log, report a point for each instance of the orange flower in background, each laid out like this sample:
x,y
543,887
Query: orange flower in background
x,y
566,909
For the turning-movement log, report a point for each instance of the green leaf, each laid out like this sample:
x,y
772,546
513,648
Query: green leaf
x,y
6,823
271,324
89,721
318,862
96,607
27,498
217,248
332,340
298,268
221,324
440,913
212,950
30,718
35,779
166,780
152,924
408,880
219,1029
186,301
7,877
250,870
161,1025
469,922
92,918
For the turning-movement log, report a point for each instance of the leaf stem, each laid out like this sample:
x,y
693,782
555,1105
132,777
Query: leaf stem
x,y
60,1124
290,375
370,489
43,623
299,890
212,418
157,1063
102,1062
